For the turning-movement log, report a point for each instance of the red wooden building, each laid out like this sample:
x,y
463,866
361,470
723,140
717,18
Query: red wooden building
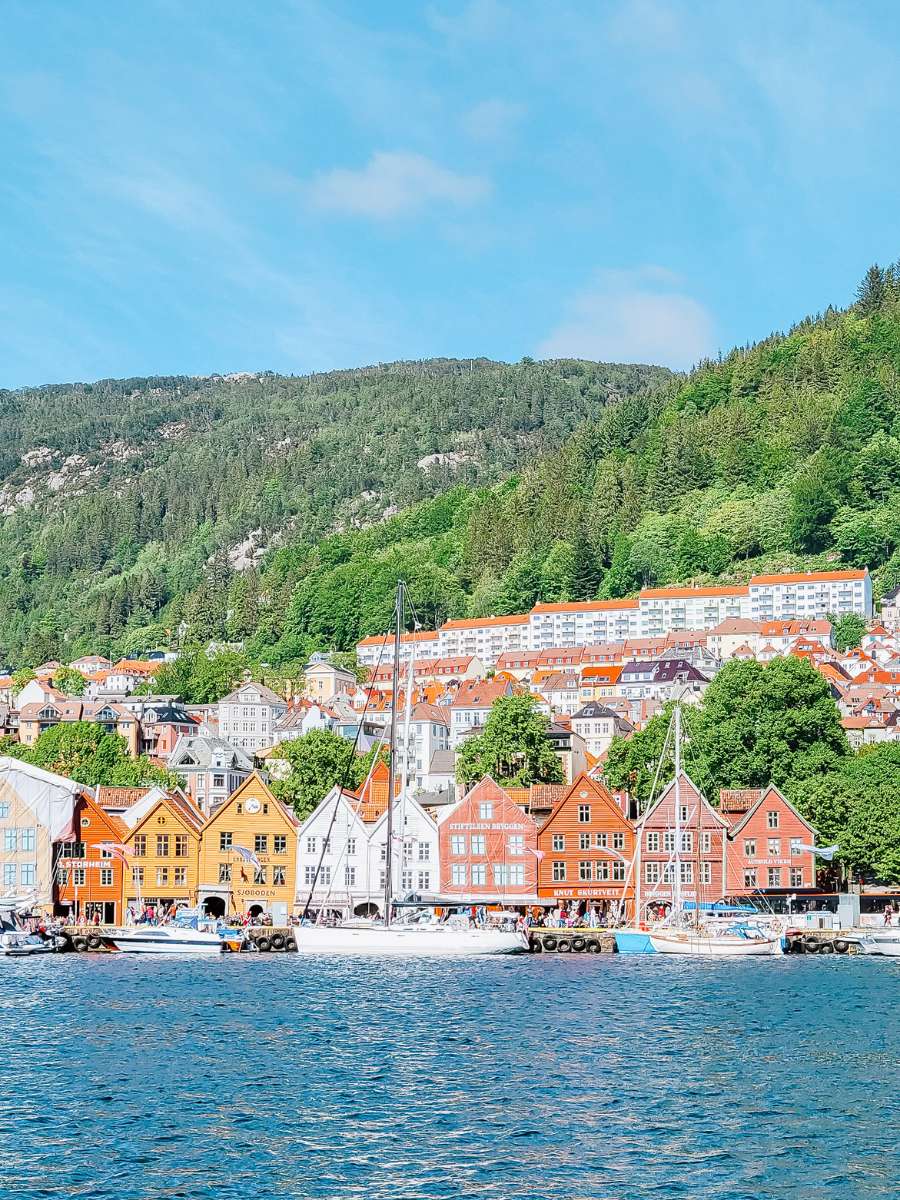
x,y
488,848
766,839
703,853
587,844
89,880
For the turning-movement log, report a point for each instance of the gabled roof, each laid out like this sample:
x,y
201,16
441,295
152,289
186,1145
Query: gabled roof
x,y
254,783
769,791
669,788
595,790
480,693
265,693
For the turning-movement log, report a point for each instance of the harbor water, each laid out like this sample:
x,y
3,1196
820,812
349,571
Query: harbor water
x,y
547,1078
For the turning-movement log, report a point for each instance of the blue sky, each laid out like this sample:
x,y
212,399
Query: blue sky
x,y
218,186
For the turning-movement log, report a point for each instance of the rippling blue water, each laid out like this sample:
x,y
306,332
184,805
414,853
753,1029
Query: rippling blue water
x,y
547,1078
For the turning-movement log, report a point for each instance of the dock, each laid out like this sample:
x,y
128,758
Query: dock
x,y
277,939
571,941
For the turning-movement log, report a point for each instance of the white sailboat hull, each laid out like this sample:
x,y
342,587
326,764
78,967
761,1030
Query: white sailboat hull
x,y
162,939
438,941
711,946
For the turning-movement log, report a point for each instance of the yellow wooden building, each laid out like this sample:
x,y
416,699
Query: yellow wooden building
x,y
253,819
164,840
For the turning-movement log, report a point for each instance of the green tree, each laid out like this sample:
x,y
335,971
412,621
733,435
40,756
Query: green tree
x,y
631,763
82,751
847,630
22,676
812,507
871,293
70,682
316,762
513,747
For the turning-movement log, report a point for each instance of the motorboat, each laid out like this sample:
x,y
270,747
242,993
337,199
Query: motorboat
x,y
884,942
160,939
16,943
432,939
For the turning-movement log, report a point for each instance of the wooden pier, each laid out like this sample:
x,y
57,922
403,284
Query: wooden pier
x,y
571,941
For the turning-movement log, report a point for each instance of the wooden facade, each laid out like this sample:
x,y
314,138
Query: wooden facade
x,y
90,881
703,853
164,845
488,847
765,852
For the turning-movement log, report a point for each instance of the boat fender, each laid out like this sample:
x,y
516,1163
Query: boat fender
x,y
811,945
80,943
94,942
549,943
263,944
826,948
534,946
290,944
841,947
578,944
564,947
593,946
277,941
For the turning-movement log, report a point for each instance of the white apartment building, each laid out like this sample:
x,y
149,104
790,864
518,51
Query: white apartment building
x,y
485,637
665,610
429,732
814,595
582,623
247,716
380,648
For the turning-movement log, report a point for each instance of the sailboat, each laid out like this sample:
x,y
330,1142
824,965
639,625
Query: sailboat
x,y
419,932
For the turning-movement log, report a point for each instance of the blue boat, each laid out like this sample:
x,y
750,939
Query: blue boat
x,y
633,941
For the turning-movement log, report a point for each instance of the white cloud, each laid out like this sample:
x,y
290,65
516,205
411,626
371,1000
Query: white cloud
x,y
492,120
632,316
394,184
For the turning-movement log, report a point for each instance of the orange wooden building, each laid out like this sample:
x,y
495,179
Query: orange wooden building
x,y
487,848
587,845
89,881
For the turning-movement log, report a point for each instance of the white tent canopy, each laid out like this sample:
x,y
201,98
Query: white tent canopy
x,y
50,797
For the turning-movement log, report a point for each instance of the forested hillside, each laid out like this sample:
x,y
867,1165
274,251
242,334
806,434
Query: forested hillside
x,y
126,506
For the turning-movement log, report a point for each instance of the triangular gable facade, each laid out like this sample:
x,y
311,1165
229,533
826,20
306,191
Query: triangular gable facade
x,y
488,847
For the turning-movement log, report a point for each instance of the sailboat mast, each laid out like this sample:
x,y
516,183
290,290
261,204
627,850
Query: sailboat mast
x,y
392,757
676,889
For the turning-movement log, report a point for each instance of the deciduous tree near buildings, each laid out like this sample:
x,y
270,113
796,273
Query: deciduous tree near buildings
x,y
513,747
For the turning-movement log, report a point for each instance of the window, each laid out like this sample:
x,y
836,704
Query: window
x,y
796,846
218,781
619,841
706,872
140,845
516,844
162,876
457,844
458,874
224,872
325,876
750,879
584,841
749,847
479,874
350,849
424,852
653,840
162,845
279,844
586,869
27,837
10,840
486,810
796,877
181,845
478,843
618,870
4,810
261,843
669,873
311,843
774,847
559,872
179,876
706,841
425,881
515,874
349,876
9,874
772,818
684,813
602,869
687,843
774,877
559,841
687,872
106,877
651,872
225,839
137,876
278,876
602,840
78,876
669,840
584,814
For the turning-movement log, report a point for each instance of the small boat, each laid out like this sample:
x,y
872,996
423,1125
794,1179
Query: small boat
x,y
433,938
17,944
633,941
882,942
160,939
713,943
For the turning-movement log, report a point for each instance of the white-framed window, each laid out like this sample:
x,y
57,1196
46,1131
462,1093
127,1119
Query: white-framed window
x,y
749,847
774,847
796,877
687,842
684,813
162,876
706,872
78,876
311,844
486,810
224,872
774,877
458,874
4,809
309,875
602,840
351,846
669,840
479,874
601,869
796,844
559,841
349,876
618,870
106,877
478,843
516,844
651,872
457,843
584,841
27,839
586,869
618,840
772,818
137,876
10,840
515,874
750,878
706,841
584,814
559,871
424,881
687,872
9,874
653,840
179,876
